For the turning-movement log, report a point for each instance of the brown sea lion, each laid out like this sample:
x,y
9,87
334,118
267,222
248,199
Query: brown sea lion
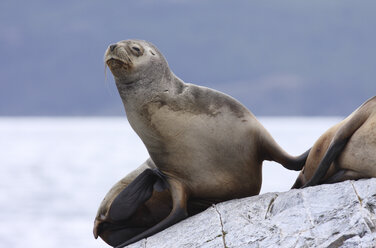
x,y
206,146
345,151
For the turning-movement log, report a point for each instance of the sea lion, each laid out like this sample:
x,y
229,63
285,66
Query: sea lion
x,y
147,214
205,144
345,151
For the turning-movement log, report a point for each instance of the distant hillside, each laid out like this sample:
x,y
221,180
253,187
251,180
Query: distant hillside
x,y
278,58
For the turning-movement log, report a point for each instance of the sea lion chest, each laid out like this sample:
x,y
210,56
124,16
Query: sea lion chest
x,y
173,122
198,134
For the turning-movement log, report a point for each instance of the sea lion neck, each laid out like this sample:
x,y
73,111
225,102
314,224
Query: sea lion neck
x,y
141,91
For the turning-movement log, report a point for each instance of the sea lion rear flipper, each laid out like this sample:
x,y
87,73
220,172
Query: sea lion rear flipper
x,y
337,145
271,151
136,193
289,162
299,162
343,175
335,148
298,182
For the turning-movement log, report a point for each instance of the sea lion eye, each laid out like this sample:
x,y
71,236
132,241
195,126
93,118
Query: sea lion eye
x,y
136,50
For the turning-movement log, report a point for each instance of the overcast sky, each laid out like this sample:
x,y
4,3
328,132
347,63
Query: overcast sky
x,y
277,58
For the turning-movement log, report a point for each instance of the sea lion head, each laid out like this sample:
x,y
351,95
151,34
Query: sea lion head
x,y
135,61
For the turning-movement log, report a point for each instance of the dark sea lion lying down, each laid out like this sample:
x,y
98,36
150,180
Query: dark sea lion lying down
x,y
147,213
205,145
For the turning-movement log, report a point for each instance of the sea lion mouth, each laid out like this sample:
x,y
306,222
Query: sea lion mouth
x,y
118,66
116,63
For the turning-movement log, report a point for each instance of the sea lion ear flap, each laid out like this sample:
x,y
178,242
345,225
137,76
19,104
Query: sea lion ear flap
x,y
135,194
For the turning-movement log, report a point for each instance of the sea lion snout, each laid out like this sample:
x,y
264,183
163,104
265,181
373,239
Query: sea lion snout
x,y
117,51
112,47
118,60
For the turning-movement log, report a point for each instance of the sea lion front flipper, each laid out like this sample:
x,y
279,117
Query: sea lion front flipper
x,y
179,196
136,193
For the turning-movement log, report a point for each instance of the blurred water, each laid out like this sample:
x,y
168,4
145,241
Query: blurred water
x,y
55,172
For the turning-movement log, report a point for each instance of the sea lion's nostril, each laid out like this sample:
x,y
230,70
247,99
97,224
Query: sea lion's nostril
x,y
112,47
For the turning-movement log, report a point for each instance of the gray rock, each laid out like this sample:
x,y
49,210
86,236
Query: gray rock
x,y
336,215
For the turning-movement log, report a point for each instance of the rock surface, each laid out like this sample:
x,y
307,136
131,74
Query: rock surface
x,y
336,215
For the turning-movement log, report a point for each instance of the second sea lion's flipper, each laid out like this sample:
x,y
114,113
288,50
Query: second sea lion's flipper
x,y
338,143
343,175
299,182
136,193
179,196
335,148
